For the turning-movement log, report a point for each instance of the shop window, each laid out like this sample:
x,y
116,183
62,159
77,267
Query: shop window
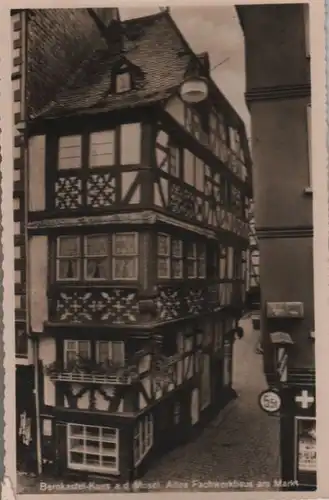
x,y
93,449
143,438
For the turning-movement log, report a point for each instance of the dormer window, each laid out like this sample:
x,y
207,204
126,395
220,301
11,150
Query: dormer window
x,y
123,82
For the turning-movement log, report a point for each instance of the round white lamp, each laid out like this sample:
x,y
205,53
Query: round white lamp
x,y
194,89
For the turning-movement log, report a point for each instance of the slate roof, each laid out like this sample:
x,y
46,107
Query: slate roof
x,y
153,44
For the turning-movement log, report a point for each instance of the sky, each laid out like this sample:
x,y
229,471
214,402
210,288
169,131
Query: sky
x,y
217,31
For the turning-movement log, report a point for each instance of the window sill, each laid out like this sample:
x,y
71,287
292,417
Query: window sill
x,y
308,191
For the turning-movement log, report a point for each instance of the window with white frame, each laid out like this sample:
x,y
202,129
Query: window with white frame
x,y
91,448
192,260
223,262
125,256
193,122
88,258
75,350
309,137
69,152
196,260
170,257
123,82
218,138
230,263
163,260
174,160
176,258
201,250
68,258
110,351
218,335
102,148
143,438
96,261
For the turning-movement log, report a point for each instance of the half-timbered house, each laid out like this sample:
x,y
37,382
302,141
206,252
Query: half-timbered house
x,y
37,72
138,230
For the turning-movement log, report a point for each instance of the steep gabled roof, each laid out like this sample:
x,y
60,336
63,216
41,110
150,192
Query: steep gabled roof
x,y
58,40
150,43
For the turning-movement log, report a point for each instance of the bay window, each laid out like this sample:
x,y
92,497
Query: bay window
x,y
170,257
196,260
143,438
96,257
92,258
223,263
125,256
91,448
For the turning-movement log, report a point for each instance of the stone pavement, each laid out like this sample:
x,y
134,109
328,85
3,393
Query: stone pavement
x,y
240,444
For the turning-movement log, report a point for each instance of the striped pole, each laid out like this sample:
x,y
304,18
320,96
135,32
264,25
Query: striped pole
x,y
282,364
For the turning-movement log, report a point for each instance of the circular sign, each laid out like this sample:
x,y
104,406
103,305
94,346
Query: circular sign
x,y
270,401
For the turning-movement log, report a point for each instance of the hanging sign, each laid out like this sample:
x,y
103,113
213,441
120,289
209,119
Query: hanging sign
x,y
270,401
285,309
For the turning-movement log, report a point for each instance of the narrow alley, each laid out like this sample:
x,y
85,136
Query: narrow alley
x,y
241,445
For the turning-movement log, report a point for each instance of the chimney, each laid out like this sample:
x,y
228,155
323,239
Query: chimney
x,y
205,61
106,15
110,27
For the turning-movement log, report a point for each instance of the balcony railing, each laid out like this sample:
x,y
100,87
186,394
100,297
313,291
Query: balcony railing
x,y
92,378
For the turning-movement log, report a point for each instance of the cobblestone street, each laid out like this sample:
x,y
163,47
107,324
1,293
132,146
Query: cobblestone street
x,y
241,444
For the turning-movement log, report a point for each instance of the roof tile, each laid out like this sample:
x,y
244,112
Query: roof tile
x,y
151,44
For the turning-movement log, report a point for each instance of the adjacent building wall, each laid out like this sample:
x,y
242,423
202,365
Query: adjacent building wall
x,y
278,94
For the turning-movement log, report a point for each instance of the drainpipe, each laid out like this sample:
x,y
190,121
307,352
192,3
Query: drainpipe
x,y
24,131
35,345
